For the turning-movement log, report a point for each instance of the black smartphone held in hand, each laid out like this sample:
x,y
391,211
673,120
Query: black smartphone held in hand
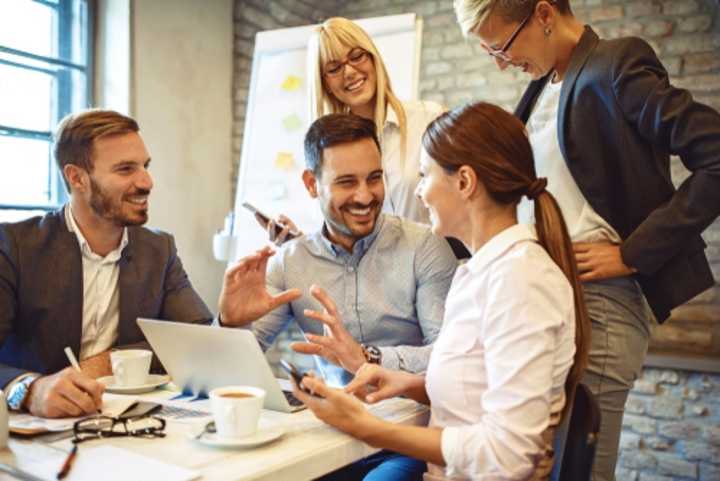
x,y
264,220
295,373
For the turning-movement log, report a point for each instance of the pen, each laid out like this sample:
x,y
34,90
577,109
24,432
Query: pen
x,y
67,465
73,360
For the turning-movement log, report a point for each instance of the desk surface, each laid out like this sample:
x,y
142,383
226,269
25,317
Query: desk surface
x,y
308,449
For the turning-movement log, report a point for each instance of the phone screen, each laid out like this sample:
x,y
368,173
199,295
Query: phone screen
x,y
295,373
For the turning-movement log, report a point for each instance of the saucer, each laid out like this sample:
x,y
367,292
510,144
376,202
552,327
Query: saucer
x,y
261,436
153,381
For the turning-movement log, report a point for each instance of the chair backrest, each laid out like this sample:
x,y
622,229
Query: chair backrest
x,y
582,431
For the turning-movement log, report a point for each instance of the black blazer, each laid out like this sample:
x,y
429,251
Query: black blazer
x,y
619,120
41,292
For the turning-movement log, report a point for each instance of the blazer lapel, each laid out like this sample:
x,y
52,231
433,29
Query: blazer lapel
x,y
129,291
582,52
527,102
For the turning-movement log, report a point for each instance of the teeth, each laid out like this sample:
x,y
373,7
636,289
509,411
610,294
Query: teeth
x,y
137,200
355,85
365,211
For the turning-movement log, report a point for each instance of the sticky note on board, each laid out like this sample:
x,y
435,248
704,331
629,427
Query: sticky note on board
x,y
284,161
291,83
292,122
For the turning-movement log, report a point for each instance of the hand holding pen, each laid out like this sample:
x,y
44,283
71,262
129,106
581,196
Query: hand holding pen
x,y
68,393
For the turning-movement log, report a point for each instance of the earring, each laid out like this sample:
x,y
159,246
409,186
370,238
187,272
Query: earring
x,y
548,31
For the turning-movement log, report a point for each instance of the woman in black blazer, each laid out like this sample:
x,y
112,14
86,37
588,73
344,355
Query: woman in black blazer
x,y
603,120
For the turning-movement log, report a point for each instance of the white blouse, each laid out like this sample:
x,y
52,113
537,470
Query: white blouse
x,y
402,172
499,365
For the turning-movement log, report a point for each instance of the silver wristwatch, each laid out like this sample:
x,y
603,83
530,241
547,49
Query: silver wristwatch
x,y
373,354
19,391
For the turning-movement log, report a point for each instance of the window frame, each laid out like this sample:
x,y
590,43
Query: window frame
x,y
63,92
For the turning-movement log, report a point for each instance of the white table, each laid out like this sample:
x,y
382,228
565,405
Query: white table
x,y
308,449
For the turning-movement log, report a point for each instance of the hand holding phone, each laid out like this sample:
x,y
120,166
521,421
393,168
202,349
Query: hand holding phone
x,y
296,375
264,219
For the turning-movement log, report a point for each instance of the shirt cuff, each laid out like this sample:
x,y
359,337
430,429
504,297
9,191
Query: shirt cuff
x,y
449,445
390,358
9,386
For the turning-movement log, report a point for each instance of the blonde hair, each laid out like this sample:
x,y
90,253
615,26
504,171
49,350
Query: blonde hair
x,y
76,134
327,43
471,13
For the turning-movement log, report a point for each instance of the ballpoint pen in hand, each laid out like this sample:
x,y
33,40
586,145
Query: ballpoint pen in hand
x,y
73,360
67,465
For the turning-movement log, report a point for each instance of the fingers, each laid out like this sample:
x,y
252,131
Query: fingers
x,y
324,299
288,222
253,262
367,374
91,387
316,386
285,297
306,348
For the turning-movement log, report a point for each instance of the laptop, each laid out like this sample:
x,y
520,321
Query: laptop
x,y
200,358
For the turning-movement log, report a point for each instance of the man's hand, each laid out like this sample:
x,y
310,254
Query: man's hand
x,y
244,297
67,393
285,225
337,345
373,383
97,365
600,260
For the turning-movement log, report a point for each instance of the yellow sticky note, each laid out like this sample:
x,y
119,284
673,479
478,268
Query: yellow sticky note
x,y
292,122
291,83
284,161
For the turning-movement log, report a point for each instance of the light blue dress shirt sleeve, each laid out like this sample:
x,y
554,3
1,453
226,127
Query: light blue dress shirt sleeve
x,y
435,266
273,323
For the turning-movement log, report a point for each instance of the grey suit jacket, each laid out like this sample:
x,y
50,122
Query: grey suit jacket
x,y
41,292
619,120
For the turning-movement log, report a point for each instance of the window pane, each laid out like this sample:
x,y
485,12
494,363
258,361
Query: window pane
x,y
13,215
26,164
26,98
27,25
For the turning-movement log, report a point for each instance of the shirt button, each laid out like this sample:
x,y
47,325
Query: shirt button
x,y
351,269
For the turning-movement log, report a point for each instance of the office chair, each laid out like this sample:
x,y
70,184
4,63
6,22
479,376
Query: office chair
x,y
580,440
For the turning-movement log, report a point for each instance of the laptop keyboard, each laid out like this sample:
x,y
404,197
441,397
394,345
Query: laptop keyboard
x,y
291,399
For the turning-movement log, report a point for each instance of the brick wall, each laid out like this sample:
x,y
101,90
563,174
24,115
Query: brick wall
x,y
672,429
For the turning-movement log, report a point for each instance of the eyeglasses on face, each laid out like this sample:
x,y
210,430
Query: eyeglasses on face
x,y
501,52
356,57
97,427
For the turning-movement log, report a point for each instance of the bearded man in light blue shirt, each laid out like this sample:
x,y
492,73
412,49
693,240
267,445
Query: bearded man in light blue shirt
x,y
365,287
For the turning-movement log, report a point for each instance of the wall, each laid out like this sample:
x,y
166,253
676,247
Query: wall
x,y
182,97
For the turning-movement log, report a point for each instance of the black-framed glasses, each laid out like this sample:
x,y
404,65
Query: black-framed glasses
x,y
356,57
501,52
98,427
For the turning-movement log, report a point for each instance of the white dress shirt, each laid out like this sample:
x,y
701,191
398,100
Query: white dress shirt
x,y
583,223
101,309
499,365
402,173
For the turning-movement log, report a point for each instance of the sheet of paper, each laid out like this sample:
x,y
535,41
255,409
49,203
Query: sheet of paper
x,y
110,463
28,424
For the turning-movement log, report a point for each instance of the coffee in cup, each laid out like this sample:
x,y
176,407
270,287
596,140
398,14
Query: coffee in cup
x,y
236,410
131,366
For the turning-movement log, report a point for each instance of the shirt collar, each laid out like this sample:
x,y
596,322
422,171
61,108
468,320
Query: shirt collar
x,y
72,226
500,244
361,245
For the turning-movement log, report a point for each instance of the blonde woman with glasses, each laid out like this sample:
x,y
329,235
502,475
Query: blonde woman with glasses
x,y
603,120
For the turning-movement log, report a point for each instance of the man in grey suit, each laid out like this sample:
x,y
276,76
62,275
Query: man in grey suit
x,y
82,275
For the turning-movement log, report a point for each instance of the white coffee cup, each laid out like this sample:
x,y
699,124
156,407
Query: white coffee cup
x,y
236,410
131,367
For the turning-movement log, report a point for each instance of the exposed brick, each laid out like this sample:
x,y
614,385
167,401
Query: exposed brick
x,y
626,474
654,477
437,68
455,51
637,460
629,441
679,430
635,405
709,472
679,7
643,386
695,43
700,83
699,23
658,28
656,443
673,466
698,451
642,8
610,12
639,424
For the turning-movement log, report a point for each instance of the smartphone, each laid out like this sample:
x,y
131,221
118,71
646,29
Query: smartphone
x,y
264,219
141,408
295,373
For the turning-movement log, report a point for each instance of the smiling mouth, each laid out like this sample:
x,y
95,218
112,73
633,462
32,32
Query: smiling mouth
x,y
356,85
138,200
